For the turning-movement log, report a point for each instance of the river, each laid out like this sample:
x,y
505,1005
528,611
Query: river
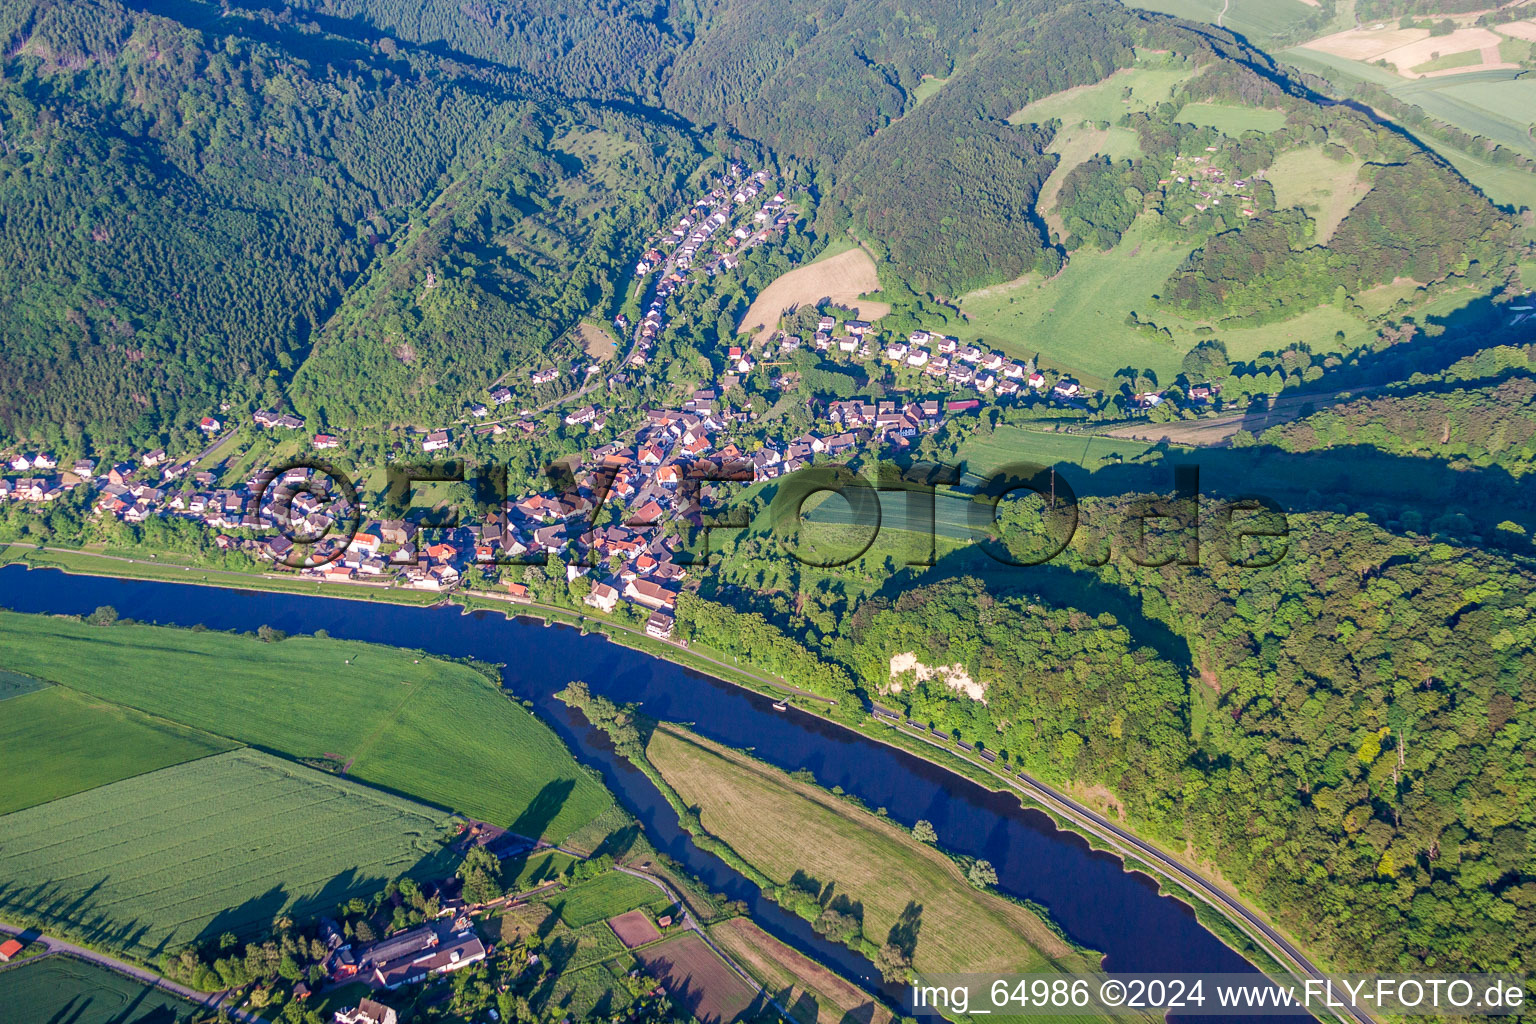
x,y
1088,893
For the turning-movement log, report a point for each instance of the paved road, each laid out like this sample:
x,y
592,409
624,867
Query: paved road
x,y
1126,843
1218,430
59,946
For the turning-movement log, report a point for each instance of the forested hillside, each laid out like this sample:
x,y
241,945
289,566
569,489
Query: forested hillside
x,y
1484,426
484,285
1347,733
197,274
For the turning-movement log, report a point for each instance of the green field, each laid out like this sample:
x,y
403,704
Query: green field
x,y
1464,59
14,684
1327,189
782,826
1479,102
1257,20
1076,320
436,731
983,453
1232,120
56,742
221,844
63,990
608,895
1148,86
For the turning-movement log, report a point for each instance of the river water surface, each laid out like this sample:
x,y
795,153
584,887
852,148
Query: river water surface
x,y
1088,893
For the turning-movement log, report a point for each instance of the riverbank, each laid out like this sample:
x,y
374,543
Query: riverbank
x,y
1062,879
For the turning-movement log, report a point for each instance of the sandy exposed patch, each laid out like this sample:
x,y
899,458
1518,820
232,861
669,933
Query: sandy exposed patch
x,y
841,278
597,342
953,676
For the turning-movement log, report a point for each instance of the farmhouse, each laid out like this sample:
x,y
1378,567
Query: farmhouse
x,y
428,949
8,950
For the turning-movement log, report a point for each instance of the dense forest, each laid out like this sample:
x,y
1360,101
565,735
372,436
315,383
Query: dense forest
x,y
1347,733
1485,426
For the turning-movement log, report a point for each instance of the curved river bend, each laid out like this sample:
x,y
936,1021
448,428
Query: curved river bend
x,y
1088,893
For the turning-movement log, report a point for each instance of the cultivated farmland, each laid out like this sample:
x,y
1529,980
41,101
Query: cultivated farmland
x,y
782,826
56,989
634,929
712,991
57,742
221,844
812,993
841,278
439,732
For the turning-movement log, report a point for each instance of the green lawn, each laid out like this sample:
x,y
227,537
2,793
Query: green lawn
x,y
1230,119
56,742
533,870
221,844
439,732
608,895
63,990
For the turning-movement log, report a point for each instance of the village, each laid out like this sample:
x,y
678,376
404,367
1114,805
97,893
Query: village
x,y
655,473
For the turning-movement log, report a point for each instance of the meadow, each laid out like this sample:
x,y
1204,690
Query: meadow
x,y
1258,20
813,994
57,742
439,732
59,989
608,895
1135,88
223,844
783,827
1230,119
1479,102
1076,321
1327,189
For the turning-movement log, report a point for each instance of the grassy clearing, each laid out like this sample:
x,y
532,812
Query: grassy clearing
x,y
782,826
1230,119
534,870
813,994
1327,189
57,989
1074,145
926,88
985,453
1076,320
608,895
57,742
1125,91
221,844
437,731
710,990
